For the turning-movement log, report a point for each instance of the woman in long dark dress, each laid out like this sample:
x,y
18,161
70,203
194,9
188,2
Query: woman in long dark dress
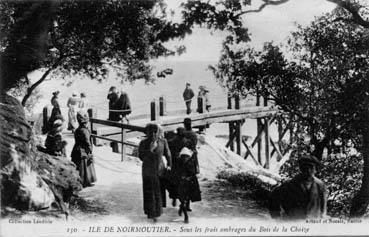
x,y
150,151
82,151
55,112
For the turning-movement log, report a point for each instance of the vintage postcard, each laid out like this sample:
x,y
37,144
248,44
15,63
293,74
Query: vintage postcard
x,y
184,118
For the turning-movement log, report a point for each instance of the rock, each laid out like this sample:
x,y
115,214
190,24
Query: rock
x,y
30,180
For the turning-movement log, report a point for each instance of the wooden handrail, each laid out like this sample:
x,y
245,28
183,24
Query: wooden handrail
x,y
117,124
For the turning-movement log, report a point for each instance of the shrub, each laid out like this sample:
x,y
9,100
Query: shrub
x,y
256,188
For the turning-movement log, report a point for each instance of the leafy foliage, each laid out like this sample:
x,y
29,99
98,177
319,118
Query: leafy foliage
x,y
324,87
88,37
257,189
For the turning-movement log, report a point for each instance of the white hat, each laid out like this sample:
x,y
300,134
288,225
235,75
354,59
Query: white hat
x,y
186,151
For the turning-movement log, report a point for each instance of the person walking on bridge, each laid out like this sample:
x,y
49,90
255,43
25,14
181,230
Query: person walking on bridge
x,y
188,94
122,106
113,98
150,151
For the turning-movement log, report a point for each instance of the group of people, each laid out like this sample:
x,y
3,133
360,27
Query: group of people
x,y
203,97
304,196
74,105
82,150
78,121
178,177
119,105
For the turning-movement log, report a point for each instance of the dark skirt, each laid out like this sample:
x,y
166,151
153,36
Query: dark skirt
x,y
87,172
152,196
189,189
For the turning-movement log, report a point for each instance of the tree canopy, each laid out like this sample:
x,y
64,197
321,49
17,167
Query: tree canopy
x,y
84,37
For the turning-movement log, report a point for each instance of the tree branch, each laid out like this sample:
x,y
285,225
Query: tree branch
x,y
262,6
36,84
354,10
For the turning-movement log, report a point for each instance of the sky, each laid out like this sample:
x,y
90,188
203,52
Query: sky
x,y
273,23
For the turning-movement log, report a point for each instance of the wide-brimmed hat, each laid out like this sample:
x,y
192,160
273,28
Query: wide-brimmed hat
x,y
309,159
57,125
82,117
74,93
205,89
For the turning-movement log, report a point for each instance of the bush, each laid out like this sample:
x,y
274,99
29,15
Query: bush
x,y
256,188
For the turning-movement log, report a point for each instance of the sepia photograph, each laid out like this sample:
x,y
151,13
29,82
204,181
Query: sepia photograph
x,y
184,117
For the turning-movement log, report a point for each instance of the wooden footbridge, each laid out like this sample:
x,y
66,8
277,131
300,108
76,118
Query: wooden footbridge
x,y
119,132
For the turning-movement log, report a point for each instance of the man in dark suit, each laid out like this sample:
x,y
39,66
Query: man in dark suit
x,y
113,98
303,197
188,94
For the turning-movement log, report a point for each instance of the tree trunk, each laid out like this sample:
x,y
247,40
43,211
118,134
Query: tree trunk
x,y
360,201
34,86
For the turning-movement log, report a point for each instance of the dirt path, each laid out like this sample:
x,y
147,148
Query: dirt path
x,y
118,193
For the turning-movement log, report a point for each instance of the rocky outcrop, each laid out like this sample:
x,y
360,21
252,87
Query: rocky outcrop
x,y
30,180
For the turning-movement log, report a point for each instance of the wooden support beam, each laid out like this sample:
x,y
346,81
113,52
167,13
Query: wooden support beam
x,y
230,143
261,132
229,101
267,141
280,129
276,149
249,152
123,139
238,136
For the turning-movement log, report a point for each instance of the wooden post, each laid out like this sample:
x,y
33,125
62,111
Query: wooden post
x,y
200,105
90,115
280,131
162,106
267,141
154,110
238,136
237,102
44,120
258,122
123,140
229,101
231,145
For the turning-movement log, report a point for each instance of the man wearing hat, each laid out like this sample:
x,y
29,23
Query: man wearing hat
x,y
304,196
187,96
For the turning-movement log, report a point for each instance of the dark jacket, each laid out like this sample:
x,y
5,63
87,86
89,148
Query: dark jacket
x,y
152,161
152,168
55,102
82,147
113,98
123,103
55,145
82,155
188,94
188,185
291,200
